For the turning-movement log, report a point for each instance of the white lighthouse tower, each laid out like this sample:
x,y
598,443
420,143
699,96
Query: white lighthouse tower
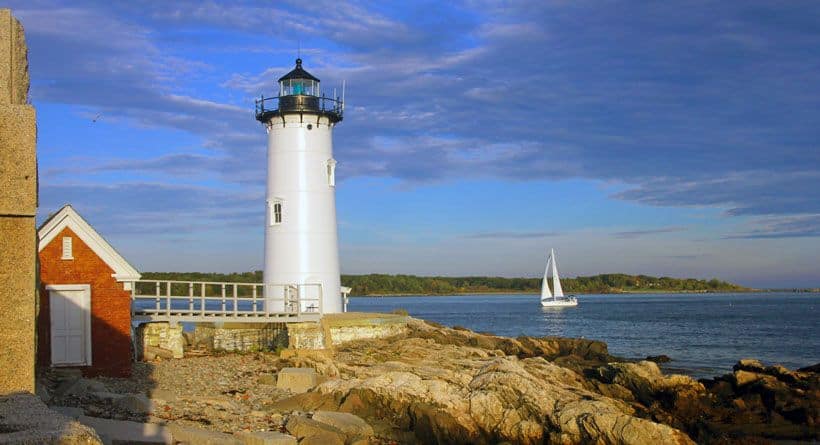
x,y
301,246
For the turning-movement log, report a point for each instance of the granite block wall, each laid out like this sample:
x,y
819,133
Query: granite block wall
x,y
18,207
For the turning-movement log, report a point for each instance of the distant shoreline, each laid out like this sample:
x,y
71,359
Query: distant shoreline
x,y
381,285
463,294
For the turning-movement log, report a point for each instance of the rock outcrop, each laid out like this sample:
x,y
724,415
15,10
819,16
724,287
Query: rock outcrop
x,y
456,386
433,384
758,402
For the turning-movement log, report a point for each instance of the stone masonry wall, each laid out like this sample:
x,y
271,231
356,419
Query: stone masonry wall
x,y
306,335
344,334
243,337
160,334
18,207
336,329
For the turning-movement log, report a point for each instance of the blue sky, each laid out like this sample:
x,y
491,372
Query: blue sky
x,y
670,138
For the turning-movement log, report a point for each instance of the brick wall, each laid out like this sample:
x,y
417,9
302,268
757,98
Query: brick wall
x,y
110,306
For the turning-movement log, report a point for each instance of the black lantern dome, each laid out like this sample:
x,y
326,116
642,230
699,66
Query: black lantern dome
x,y
298,73
299,92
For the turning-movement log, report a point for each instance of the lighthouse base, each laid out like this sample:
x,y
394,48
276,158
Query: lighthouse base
x,y
307,298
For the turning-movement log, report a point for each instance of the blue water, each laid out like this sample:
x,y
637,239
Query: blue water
x,y
704,334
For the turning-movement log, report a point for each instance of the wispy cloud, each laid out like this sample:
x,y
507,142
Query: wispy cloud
x,y
511,235
753,192
800,226
686,256
157,208
647,232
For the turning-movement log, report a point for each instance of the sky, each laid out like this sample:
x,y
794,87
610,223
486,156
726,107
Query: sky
x,y
663,138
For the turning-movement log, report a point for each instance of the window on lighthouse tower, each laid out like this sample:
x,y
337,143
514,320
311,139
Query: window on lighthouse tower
x,y
330,165
275,212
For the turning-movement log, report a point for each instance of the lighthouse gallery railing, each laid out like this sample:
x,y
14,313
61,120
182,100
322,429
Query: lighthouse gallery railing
x,y
266,106
192,301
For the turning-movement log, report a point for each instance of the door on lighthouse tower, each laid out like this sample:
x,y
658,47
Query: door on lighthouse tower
x,y
70,313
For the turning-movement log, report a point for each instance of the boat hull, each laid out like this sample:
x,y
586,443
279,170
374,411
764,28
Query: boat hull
x,y
559,303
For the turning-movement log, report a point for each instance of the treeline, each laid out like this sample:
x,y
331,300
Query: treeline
x,y
244,277
381,284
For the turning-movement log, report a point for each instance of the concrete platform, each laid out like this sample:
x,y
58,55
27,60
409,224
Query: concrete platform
x,y
363,318
336,329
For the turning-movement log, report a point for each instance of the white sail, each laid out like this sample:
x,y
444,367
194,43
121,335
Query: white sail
x,y
545,287
557,298
556,282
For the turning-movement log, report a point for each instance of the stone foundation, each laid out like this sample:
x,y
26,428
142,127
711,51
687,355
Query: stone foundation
x,y
332,330
336,329
242,337
343,330
308,335
160,335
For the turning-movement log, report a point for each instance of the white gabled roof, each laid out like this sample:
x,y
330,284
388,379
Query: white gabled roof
x,y
68,217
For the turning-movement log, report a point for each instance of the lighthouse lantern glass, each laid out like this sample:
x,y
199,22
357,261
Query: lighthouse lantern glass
x,y
300,87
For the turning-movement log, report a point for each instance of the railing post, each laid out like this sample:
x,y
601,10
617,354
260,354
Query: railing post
x,y
255,289
298,301
235,309
321,299
157,299
168,298
202,299
191,297
223,298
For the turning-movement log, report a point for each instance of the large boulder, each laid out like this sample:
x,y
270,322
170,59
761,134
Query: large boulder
x,y
749,364
323,438
303,427
297,380
265,438
351,425
743,378
647,383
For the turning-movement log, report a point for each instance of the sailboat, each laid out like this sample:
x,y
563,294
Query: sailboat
x,y
555,298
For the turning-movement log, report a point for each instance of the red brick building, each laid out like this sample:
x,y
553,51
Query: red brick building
x,y
84,317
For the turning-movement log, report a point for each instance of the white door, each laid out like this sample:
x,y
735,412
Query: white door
x,y
70,310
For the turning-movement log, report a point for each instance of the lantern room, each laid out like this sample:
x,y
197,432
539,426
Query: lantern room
x,y
298,82
299,92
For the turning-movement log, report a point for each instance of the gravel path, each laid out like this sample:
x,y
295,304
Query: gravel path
x,y
225,393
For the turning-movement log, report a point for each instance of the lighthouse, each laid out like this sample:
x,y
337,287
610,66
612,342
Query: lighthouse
x,y
301,245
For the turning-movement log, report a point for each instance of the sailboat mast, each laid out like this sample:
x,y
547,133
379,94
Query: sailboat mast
x,y
554,274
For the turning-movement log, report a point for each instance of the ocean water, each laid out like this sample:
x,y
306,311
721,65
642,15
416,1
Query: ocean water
x,y
704,334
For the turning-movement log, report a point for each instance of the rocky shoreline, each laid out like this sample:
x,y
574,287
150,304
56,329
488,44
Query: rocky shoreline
x,y
434,384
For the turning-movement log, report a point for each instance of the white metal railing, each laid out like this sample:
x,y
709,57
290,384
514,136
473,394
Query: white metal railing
x,y
197,300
